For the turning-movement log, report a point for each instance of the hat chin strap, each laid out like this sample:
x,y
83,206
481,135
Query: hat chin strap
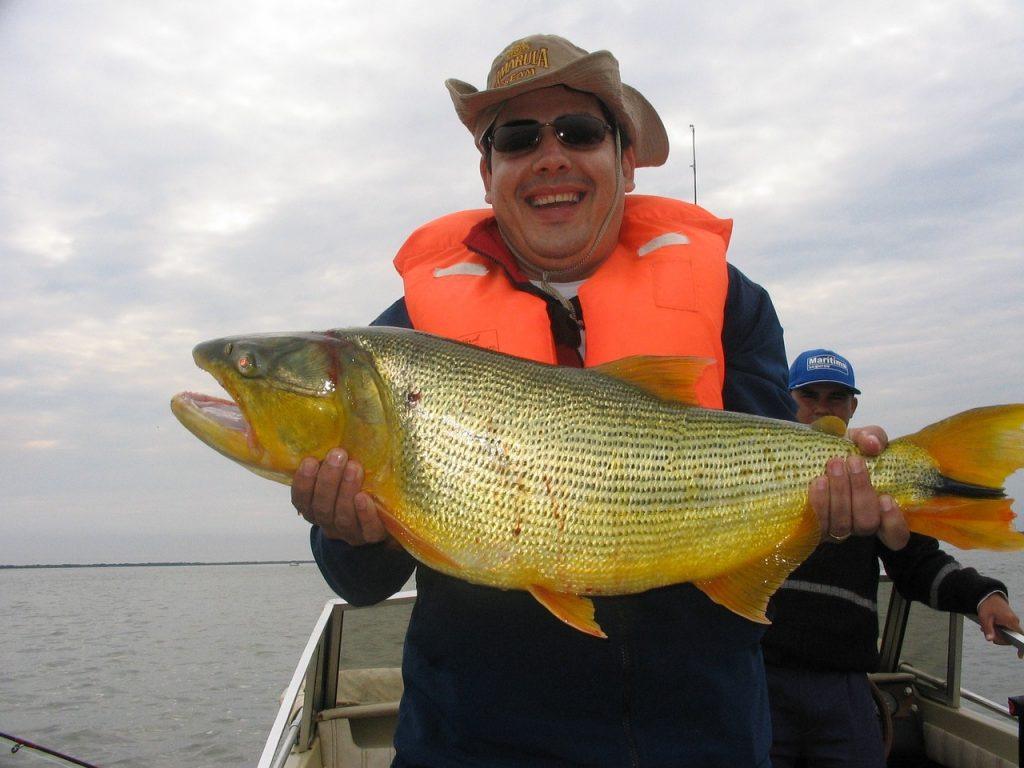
x,y
546,275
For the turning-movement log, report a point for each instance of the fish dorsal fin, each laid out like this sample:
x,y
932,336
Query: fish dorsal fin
x,y
746,590
670,378
576,611
830,425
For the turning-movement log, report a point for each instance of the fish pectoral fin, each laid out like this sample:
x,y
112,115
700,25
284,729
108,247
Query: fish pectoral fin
x,y
830,425
746,590
416,545
670,378
576,611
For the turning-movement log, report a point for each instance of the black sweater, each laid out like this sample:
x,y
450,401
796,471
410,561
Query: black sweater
x,y
825,616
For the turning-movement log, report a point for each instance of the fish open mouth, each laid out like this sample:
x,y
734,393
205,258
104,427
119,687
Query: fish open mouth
x,y
219,423
223,412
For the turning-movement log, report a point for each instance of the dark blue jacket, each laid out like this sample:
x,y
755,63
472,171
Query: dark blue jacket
x,y
493,679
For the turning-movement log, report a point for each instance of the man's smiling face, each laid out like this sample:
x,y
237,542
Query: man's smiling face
x,y
551,200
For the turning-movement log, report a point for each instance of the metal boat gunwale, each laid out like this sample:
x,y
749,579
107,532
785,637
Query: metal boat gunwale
x,y
317,646
313,686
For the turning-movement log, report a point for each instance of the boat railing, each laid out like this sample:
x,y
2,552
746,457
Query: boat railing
x,y
315,681
946,657
932,653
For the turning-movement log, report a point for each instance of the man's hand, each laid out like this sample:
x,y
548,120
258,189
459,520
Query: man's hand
x,y
329,495
845,501
995,610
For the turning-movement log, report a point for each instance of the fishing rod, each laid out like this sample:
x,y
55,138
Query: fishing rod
x,y
45,752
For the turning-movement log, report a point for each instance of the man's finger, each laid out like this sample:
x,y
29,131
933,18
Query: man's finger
x,y
893,531
369,521
817,497
351,482
328,480
302,486
870,440
840,516
988,628
864,503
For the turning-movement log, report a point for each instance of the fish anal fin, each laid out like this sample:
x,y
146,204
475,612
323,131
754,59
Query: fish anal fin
x,y
416,545
747,589
576,611
830,425
669,378
966,523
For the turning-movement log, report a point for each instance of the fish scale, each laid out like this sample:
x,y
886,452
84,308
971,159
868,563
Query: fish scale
x,y
608,510
569,482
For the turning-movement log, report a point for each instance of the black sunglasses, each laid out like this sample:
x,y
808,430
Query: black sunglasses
x,y
576,131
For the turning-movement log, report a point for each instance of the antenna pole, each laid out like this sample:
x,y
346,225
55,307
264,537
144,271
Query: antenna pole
x,y
693,144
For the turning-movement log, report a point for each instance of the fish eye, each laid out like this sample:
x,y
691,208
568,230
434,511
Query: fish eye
x,y
247,364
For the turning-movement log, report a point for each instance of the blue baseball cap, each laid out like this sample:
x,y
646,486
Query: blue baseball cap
x,y
821,366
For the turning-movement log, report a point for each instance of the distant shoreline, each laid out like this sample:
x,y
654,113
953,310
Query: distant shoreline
x,y
158,565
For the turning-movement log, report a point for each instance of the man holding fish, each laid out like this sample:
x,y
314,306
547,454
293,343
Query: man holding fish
x,y
566,268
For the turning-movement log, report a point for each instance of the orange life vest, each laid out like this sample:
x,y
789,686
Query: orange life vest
x,y
661,291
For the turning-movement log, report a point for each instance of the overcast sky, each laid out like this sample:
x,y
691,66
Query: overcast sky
x,y
174,172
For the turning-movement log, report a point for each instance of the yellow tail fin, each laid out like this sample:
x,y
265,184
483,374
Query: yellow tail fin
x,y
980,447
966,523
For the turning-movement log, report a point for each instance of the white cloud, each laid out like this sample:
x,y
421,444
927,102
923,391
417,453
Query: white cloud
x,y
176,172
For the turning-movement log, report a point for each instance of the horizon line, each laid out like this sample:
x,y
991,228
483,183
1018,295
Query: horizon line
x,y
163,563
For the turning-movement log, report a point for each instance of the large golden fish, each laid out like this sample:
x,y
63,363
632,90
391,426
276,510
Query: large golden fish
x,y
568,482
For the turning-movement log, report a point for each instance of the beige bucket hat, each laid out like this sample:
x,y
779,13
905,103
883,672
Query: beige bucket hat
x,y
540,61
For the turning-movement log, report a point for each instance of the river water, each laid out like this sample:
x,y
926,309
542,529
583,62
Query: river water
x,y
151,666
173,666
